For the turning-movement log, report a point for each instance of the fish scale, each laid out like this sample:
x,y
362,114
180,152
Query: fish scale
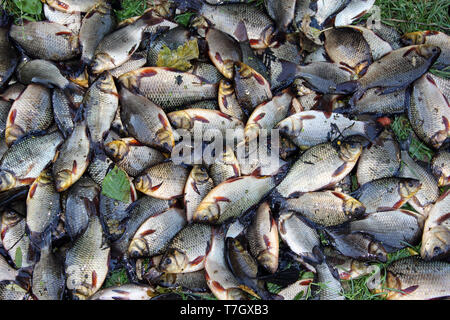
x,y
46,40
86,263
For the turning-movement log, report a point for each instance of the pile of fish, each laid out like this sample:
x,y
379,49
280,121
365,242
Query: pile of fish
x,y
86,106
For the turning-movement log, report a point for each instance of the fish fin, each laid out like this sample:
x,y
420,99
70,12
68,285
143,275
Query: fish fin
x,y
241,32
151,18
348,87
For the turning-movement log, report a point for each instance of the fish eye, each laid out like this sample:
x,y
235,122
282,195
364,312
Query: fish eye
x,y
168,261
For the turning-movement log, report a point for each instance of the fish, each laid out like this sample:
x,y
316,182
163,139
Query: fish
x,y
436,232
324,77
73,158
228,102
394,71
48,282
310,128
325,162
138,212
226,166
186,251
259,26
86,262
325,9
429,192
251,88
379,160
76,213
245,268
43,72
117,47
331,288
46,40
70,20
129,291
96,24
99,166
63,112
429,112
436,38
267,115
233,197
100,102
326,208
440,167
356,245
386,33
146,121
9,290
31,112
132,156
299,236
13,91
374,101
192,281
442,83
412,278
168,88
70,6
393,229
219,278
347,47
348,268
298,290
24,161
250,57
206,71
113,212
223,50
6,271
154,235
387,193
281,12
9,58
354,10
136,61
163,181
198,185
43,208
200,121
262,236
14,240
378,46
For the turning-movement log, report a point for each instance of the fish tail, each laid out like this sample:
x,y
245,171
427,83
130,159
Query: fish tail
x,y
151,18
349,87
373,130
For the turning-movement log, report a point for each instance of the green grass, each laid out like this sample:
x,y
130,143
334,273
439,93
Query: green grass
x,y
116,278
415,15
131,8
417,149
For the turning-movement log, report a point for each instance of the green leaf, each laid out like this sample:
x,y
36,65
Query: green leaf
x,y
184,18
179,58
116,185
18,258
29,6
